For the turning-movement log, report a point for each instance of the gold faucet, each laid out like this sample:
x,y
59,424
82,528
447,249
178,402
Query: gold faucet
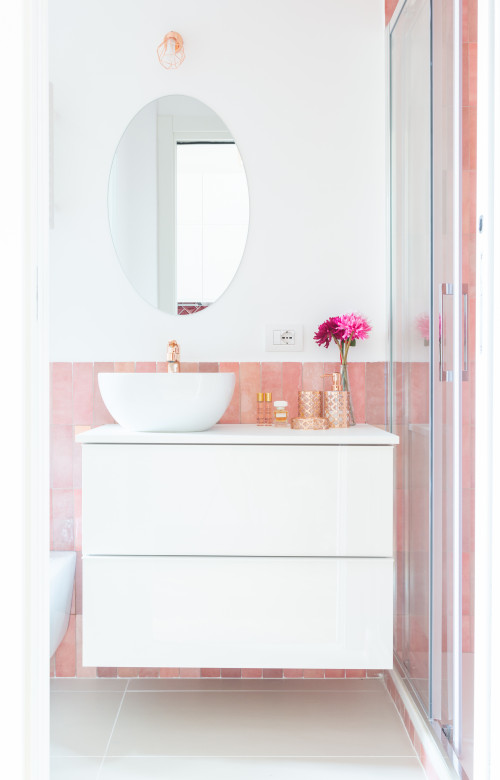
x,y
173,358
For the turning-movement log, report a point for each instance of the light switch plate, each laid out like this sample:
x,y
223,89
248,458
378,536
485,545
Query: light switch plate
x,y
284,338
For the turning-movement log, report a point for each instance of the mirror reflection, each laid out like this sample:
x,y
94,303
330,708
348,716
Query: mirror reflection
x,y
178,204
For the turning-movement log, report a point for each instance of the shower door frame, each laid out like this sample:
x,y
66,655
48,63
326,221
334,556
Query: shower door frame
x,y
451,741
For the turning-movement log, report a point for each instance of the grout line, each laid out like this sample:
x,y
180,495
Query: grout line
x,y
112,731
263,756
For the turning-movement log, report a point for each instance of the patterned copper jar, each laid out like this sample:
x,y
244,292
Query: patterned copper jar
x,y
310,403
309,424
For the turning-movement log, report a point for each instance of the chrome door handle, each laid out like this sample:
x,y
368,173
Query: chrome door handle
x,y
444,375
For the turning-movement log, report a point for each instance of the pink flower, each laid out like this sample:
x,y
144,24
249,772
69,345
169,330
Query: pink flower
x,y
346,328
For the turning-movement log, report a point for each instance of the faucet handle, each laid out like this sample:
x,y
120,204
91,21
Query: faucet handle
x,y
173,352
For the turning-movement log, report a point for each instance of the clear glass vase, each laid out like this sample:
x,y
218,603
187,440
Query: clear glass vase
x,y
344,384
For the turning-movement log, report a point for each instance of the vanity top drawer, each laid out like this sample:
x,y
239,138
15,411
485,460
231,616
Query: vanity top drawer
x,y
240,500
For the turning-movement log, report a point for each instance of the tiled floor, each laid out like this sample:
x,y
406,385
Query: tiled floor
x,y
147,729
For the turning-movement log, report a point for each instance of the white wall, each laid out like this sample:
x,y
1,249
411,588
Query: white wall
x,y
309,123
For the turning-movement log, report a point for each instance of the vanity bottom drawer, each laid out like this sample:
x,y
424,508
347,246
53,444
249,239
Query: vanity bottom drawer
x,y
237,612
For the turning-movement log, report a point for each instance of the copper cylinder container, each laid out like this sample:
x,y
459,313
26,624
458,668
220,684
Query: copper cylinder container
x,y
310,403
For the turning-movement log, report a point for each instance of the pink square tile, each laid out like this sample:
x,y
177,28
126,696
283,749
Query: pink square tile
x,y
375,404
232,413
297,674
145,368
82,671
107,671
189,368
374,673
161,367
209,368
61,394
62,519
190,672
334,674
101,414
83,393
358,390
210,672
272,380
314,673
312,376
61,456
465,138
272,673
472,81
355,673
169,671
77,464
292,383
250,385
230,673
249,674
127,671
124,368
147,671
465,21
465,74
66,652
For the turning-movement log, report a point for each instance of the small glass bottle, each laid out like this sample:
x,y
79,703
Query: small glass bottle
x,y
268,409
281,414
260,409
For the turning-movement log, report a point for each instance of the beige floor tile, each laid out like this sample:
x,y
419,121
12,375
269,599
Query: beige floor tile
x,y
62,768
260,769
81,723
252,724
100,684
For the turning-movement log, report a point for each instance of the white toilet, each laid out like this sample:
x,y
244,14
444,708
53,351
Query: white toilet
x,y
62,578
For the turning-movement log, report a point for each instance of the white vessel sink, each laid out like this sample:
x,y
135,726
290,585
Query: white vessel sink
x,y
167,402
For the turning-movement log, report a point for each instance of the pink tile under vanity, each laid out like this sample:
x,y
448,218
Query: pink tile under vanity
x,y
62,517
61,456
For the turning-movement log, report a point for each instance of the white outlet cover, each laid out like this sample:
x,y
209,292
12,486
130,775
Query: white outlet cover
x,y
275,344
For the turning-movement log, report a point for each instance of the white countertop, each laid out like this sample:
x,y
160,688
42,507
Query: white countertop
x,y
242,434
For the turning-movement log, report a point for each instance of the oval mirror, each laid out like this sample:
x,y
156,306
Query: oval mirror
x,y
178,204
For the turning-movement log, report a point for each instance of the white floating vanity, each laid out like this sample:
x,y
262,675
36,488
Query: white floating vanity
x,y
238,547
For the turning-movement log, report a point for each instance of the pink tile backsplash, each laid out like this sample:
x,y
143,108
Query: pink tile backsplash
x,y
77,406
62,394
83,391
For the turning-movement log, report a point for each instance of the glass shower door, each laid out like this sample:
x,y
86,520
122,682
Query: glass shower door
x,y
412,344
428,354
